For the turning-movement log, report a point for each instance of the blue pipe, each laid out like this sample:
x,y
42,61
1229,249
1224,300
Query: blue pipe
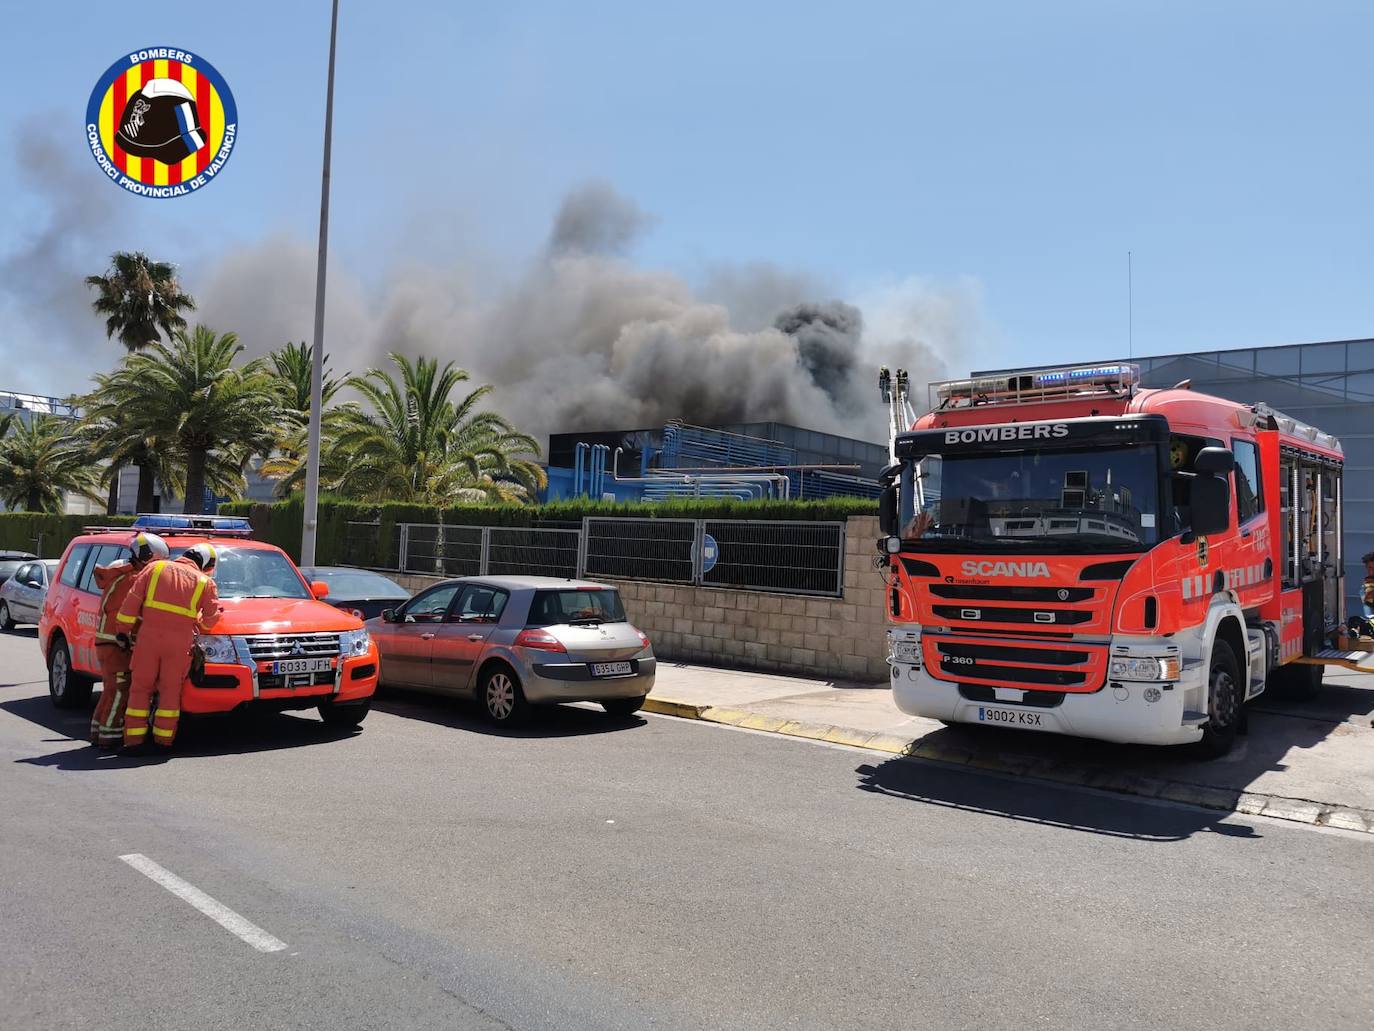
x,y
578,466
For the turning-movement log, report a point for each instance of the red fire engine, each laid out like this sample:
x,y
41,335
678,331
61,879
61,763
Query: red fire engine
x,y
1067,551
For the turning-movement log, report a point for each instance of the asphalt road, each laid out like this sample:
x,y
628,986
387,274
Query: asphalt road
x,y
588,873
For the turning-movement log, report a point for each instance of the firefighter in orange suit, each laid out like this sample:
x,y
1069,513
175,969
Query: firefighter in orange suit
x,y
166,604
114,581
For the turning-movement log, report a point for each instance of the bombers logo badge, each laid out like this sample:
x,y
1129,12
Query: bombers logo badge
x,y
161,122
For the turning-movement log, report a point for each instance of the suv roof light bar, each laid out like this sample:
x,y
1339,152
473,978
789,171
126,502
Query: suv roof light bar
x,y
1047,384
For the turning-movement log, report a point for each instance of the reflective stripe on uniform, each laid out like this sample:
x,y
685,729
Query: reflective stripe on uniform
x,y
166,714
100,634
113,714
136,713
159,732
150,601
127,619
135,731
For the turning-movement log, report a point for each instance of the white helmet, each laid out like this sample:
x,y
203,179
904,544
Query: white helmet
x,y
203,555
146,547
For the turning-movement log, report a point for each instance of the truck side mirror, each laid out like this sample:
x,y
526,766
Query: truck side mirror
x,y
887,511
1217,461
1211,502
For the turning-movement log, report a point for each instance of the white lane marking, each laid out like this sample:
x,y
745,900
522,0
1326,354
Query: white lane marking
x,y
215,910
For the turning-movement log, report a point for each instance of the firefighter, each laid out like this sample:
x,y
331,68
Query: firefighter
x,y
114,580
1367,595
167,603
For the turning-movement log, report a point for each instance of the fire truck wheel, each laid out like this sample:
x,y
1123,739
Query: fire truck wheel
x,y
1297,680
6,624
1224,700
68,688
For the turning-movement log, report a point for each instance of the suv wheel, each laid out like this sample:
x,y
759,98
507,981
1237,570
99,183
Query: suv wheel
x,y
344,715
68,688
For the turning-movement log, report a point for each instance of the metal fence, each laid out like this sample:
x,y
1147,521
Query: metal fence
x,y
641,549
788,557
792,558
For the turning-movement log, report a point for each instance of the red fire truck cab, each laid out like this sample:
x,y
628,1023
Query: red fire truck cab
x,y
1069,552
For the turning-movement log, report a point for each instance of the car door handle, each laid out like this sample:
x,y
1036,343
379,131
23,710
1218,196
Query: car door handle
x,y
426,637
476,637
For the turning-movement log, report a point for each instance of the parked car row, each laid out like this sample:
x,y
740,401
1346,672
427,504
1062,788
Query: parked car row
x,y
23,593
327,636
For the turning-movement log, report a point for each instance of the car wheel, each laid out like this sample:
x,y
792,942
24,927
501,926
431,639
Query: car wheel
x,y
1224,700
623,707
67,688
6,623
502,697
344,715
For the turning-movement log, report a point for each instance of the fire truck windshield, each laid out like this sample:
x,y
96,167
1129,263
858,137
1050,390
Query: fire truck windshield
x,y
1079,500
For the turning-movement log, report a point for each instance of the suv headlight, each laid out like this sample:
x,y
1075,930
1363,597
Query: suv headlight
x,y
1147,668
354,642
218,648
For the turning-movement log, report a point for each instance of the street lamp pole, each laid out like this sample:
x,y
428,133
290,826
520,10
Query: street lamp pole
x,y
312,468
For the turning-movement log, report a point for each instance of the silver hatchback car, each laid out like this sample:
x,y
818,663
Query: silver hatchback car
x,y
516,641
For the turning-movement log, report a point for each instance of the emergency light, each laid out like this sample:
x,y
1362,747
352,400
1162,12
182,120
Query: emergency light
x,y
216,524
1036,385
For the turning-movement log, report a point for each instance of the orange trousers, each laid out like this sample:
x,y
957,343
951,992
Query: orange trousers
x,y
159,669
107,723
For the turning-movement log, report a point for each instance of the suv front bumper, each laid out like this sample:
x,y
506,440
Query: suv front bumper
x,y
223,687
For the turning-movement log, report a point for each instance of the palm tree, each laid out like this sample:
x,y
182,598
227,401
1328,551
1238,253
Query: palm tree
x,y
112,427
41,462
294,369
209,414
139,296
417,445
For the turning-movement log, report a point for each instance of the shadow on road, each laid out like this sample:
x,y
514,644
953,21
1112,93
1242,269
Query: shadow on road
x,y
197,737
460,714
1043,803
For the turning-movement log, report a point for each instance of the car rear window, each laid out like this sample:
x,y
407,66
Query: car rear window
x,y
360,585
576,605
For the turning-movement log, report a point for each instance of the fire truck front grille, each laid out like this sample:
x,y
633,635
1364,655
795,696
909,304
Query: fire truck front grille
x,y
268,647
1055,668
974,592
998,614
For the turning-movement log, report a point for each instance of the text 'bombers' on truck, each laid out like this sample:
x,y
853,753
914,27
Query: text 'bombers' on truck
x,y
1066,551
275,645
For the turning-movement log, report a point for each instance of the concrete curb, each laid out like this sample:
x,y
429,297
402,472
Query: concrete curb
x,y
1247,803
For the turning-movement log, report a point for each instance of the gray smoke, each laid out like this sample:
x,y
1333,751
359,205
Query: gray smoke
x,y
581,339
586,340
44,301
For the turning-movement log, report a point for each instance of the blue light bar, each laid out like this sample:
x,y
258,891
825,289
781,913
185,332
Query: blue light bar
x,y
191,522
1078,375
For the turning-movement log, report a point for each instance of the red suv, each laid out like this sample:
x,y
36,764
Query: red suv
x,y
276,645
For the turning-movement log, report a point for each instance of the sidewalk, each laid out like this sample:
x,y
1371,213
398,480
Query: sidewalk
x,y
1307,761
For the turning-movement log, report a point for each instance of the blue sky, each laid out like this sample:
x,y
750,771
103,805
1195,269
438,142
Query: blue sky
x,y
1017,150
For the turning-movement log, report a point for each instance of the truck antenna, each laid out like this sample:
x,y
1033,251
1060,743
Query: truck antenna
x,y
1130,310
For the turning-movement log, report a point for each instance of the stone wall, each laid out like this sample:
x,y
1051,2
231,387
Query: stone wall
x,y
837,638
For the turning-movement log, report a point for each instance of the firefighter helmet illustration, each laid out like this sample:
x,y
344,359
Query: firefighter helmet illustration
x,y
160,121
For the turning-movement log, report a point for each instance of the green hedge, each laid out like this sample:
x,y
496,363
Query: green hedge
x,y
280,523
19,531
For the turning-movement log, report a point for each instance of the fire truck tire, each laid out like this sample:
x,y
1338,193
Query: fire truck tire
x,y
1225,698
1297,680
6,624
67,688
344,716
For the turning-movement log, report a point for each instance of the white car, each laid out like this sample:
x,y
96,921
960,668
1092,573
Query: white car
x,y
23,594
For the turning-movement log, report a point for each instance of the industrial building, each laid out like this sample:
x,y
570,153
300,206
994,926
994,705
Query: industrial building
x,y
1329,385
747,460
